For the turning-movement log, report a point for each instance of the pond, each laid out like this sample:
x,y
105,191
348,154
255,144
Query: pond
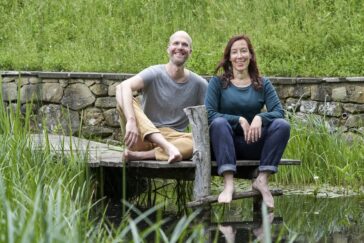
x,y
303,218
309,214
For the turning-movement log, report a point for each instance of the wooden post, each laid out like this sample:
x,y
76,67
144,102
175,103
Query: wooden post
x,y
197,116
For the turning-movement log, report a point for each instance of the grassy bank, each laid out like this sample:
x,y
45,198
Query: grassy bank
x,y
327,157
292,38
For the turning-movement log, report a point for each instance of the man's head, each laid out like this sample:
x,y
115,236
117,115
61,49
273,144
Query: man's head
x,y
179,48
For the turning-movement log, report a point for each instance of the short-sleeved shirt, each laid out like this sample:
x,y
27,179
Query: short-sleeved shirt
x,y
164,99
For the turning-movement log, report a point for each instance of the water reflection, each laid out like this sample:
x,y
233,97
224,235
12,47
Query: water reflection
x,y
247,230
228,233
257,229
297,218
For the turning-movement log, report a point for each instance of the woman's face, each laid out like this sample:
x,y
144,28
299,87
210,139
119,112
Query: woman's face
x,y
240,56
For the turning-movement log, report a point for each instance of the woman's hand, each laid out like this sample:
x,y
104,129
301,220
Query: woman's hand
x,y
245,126
255,131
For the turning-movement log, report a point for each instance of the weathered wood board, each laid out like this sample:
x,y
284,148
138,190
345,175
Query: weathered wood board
x,y
106,155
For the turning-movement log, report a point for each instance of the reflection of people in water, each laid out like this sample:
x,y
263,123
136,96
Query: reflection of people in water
x,y
229,232
259,232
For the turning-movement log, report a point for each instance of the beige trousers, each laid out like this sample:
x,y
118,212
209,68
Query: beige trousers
x,y
181,140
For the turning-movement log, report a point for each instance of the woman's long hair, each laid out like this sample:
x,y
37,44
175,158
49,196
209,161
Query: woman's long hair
x,y
225,64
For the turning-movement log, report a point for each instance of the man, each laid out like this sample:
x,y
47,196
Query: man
x,y
156,132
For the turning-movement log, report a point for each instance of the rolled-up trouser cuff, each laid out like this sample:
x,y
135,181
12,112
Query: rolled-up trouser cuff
x,y
270,168
226,167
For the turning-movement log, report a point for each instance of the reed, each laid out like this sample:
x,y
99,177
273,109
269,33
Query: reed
x,y
51,198
45,198
327,157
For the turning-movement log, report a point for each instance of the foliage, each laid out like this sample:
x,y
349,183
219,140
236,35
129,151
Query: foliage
x,y
292,38
327,156
51,198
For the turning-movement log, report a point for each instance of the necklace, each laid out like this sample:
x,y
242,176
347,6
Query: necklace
x,y
241,83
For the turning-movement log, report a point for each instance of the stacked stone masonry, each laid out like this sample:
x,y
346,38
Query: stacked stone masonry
x,y
66,102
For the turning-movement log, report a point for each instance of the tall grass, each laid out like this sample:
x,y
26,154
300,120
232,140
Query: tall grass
x,y
326,157
43,198
292,38
51,198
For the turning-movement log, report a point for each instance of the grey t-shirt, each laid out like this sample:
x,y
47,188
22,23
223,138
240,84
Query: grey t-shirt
x,y
164,99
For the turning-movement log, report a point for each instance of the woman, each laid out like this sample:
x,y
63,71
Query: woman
x,y
238,127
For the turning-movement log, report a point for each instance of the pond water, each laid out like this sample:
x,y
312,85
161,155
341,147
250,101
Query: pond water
x,y
301,218
301,215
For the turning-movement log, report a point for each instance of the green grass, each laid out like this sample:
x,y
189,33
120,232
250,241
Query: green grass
x,y
326,157
51,198
292,38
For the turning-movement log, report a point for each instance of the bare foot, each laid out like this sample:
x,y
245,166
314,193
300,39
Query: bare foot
x,y
174,154
227,194
228,232
262,187
129,155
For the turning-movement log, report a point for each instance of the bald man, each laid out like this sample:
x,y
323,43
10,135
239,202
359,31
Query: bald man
x,y
155,129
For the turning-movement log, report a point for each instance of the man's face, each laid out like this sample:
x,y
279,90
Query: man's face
x,y
179,49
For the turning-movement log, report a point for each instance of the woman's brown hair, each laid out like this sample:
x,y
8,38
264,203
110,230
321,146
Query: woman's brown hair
x,y
225,64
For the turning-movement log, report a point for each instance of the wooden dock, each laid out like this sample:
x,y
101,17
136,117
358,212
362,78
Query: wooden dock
x,y
99,154
199,169
107,155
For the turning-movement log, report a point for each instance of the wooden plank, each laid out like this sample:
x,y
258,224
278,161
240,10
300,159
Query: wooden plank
x,y
61,143
154,164
106,158
188,163
106,155
99,154
237,195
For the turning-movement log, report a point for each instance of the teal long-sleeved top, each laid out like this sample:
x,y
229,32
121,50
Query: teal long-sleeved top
x,y
234,102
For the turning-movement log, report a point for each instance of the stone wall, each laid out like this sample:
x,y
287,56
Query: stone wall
x,y
339,100
85,102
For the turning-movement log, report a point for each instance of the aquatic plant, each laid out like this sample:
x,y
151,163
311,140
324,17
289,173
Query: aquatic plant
x,y
327,156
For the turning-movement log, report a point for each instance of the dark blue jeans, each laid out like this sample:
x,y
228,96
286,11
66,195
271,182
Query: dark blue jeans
x,y
228,145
